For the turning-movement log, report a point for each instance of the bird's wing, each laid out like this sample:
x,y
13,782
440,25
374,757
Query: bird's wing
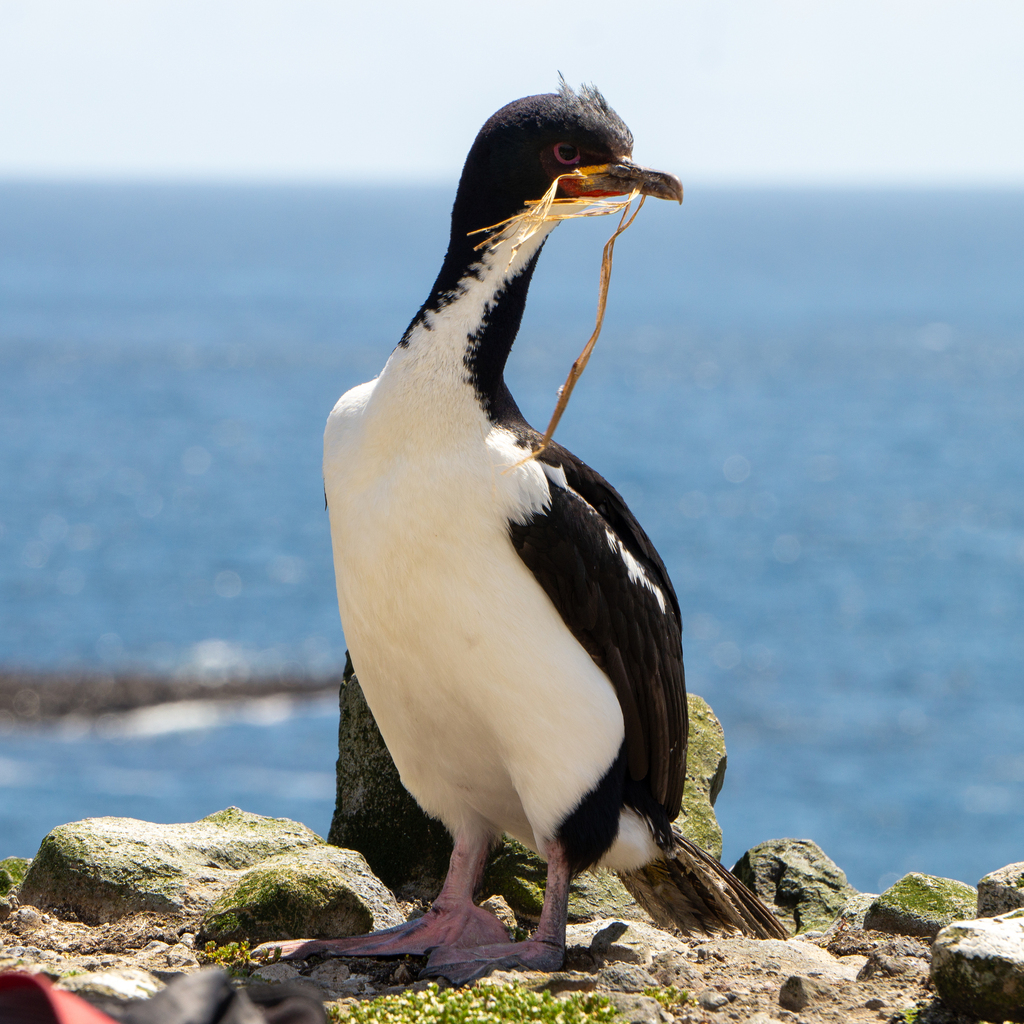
x,y
608,583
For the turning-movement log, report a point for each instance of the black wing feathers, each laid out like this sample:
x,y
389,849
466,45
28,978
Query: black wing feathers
x,y
574,551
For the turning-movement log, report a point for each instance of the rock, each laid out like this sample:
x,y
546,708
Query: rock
x,y
621,977
798,991
101,869
921,904
705,773
322,893
978,966
630,942
375,814
277,974
793,876
12,872
332,974
634,1009
998,892
852,912
27,918
886,966
673,968
781,958
711,999
409,852
518,875
125,983
498,906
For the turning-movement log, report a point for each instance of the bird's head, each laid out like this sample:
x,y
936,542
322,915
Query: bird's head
x,y
529,143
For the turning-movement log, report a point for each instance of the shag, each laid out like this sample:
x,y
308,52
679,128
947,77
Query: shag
x,y
513,628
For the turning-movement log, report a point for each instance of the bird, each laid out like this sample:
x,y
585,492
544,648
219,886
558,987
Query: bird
x,y
514,630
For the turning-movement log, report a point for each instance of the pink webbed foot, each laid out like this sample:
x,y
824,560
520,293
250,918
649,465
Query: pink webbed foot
x,y
459,927
460,965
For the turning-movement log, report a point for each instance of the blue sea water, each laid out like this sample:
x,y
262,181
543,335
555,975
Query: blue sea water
x,y
811,399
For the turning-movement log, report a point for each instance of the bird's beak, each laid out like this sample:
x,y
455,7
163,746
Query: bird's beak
x,y
620,179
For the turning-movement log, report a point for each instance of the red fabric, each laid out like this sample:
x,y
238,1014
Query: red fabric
x,y
31,999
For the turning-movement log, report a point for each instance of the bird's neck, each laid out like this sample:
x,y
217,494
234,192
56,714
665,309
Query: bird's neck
x,y
463,333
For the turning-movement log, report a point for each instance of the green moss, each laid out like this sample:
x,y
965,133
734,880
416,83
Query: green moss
x,y
922,904
705,773
518,874
12,871
927,895
484,1004
287,902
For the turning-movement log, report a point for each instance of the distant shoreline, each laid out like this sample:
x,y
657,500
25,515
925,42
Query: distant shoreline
x,y
32,696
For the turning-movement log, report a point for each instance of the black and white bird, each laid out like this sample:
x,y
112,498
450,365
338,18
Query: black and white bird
x,y
513,628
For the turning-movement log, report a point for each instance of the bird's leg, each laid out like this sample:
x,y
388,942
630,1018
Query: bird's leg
x,y
452,921
543,951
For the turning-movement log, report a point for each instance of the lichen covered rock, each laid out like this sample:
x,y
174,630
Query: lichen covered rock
x,y
853,911
998,892
705,773
12,872
101,869
921,904
376,815
978,966
804,887
518,875
322,893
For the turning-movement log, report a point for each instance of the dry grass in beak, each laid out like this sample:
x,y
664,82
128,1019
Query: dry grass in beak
x,y
523,226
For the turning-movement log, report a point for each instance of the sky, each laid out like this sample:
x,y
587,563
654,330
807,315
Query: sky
x,y
830,92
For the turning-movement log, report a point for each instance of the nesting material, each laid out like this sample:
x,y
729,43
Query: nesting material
x,y
524,225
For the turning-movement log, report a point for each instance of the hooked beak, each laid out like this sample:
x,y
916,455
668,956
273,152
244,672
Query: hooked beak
x,y
622,178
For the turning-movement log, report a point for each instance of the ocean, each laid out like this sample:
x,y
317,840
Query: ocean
x,y
810,398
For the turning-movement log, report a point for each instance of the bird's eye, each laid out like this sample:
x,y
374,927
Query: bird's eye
x,y
566,153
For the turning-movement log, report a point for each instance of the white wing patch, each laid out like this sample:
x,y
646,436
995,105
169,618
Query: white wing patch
x,y
556,474
637,573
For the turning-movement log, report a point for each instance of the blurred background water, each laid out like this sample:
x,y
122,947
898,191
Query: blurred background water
x,y
810,398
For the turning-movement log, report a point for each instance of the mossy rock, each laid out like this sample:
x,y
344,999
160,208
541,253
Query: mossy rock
x,y
103,868
519,874
705,773
978,966
324,893
805,888
922,904
409,851
12,872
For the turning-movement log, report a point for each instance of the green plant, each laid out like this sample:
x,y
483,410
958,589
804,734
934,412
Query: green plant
x,y
234,957
485,1004
911,1014
670,997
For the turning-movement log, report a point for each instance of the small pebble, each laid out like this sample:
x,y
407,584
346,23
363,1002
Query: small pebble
x,y
28,917
712,1000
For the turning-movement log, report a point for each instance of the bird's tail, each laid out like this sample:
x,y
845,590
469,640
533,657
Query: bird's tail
x,y
689,890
